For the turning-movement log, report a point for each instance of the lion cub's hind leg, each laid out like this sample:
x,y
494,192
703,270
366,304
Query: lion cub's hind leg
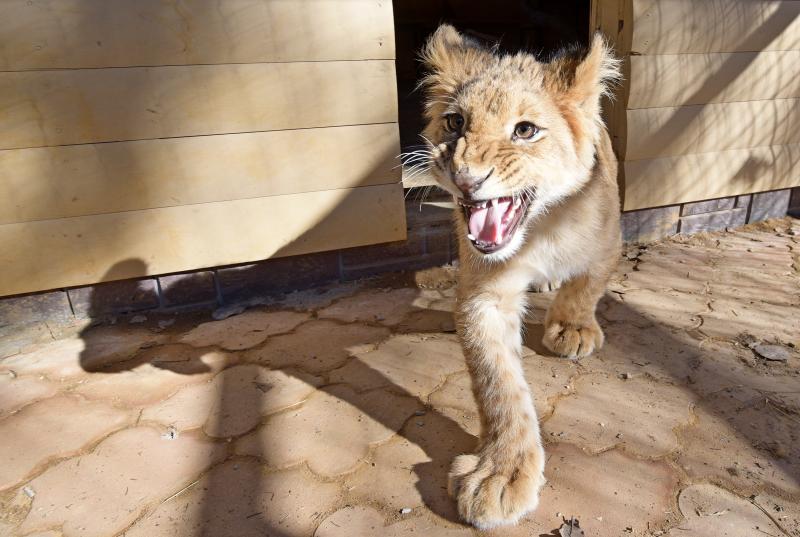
x,y
570,327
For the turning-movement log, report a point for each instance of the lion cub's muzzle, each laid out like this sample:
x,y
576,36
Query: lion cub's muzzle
x,y
491,224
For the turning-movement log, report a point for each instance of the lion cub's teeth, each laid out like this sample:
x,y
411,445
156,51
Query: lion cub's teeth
x,y
470,236
517,201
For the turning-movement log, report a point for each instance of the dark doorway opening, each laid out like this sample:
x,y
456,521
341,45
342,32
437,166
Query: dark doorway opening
x,y
537,26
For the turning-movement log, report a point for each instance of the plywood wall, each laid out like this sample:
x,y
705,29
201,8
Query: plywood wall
x,y
192,134
709,107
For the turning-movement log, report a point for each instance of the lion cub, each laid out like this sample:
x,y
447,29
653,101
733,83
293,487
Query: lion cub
x,y
522,147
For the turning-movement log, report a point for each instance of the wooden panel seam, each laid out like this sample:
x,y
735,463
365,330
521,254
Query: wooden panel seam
x,y
672,131
680,179
51,108
82,180
692,79
91,249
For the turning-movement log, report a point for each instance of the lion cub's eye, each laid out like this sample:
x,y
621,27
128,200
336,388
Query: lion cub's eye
x,y
455,122
525,130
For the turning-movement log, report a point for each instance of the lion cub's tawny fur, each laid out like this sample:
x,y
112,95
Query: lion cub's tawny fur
x,y
509,127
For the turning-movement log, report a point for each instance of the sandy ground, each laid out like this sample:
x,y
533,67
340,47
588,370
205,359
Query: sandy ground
x,y
336,412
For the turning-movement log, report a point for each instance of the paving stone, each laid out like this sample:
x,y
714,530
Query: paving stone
x,y
713,449
409,364
608,492
243,331
51,429
378,306
410,470
103,492
433,313
16,392
710,510
234,401
546,376
158,373
318,346
76,357
367,522
785,510
239,499
636,414
667,308
332,431
730,318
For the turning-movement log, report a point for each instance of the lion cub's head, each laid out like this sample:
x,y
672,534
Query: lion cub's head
x,y
510,135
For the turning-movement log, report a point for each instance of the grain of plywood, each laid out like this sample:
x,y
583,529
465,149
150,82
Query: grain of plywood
x,y
81,180
692,26
49,34
49,254
49,108
672,131
674,180
686,79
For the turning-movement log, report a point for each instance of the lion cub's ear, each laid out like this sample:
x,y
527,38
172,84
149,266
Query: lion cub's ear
x,y
450,59
581,82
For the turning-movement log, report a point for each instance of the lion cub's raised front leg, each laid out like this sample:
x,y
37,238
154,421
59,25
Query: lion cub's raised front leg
x,y
570,326
501,482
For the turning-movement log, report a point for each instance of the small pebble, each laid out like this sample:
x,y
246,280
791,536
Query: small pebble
x,y
29,492
405,510
138,319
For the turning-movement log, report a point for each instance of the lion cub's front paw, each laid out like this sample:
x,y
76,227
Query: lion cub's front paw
x,y
573,340
488,495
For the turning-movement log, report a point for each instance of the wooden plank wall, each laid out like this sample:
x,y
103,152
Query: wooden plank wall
x,y
709,107
192,134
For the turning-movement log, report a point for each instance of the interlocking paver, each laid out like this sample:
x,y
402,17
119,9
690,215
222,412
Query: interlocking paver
x,y
338,413
710,510
637,414
51,429
68,358
238,499
712,450
158,373
16,392
243,331
331,432
415,364
377,306
234,401
367,522
607,493
101,493
318,346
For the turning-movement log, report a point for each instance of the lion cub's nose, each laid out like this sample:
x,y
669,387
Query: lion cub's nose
x,y
467,182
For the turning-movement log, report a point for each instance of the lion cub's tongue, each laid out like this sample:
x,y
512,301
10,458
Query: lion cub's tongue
x,y
487,224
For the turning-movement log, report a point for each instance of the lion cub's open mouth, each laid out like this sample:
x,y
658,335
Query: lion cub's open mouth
x,y
492,223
